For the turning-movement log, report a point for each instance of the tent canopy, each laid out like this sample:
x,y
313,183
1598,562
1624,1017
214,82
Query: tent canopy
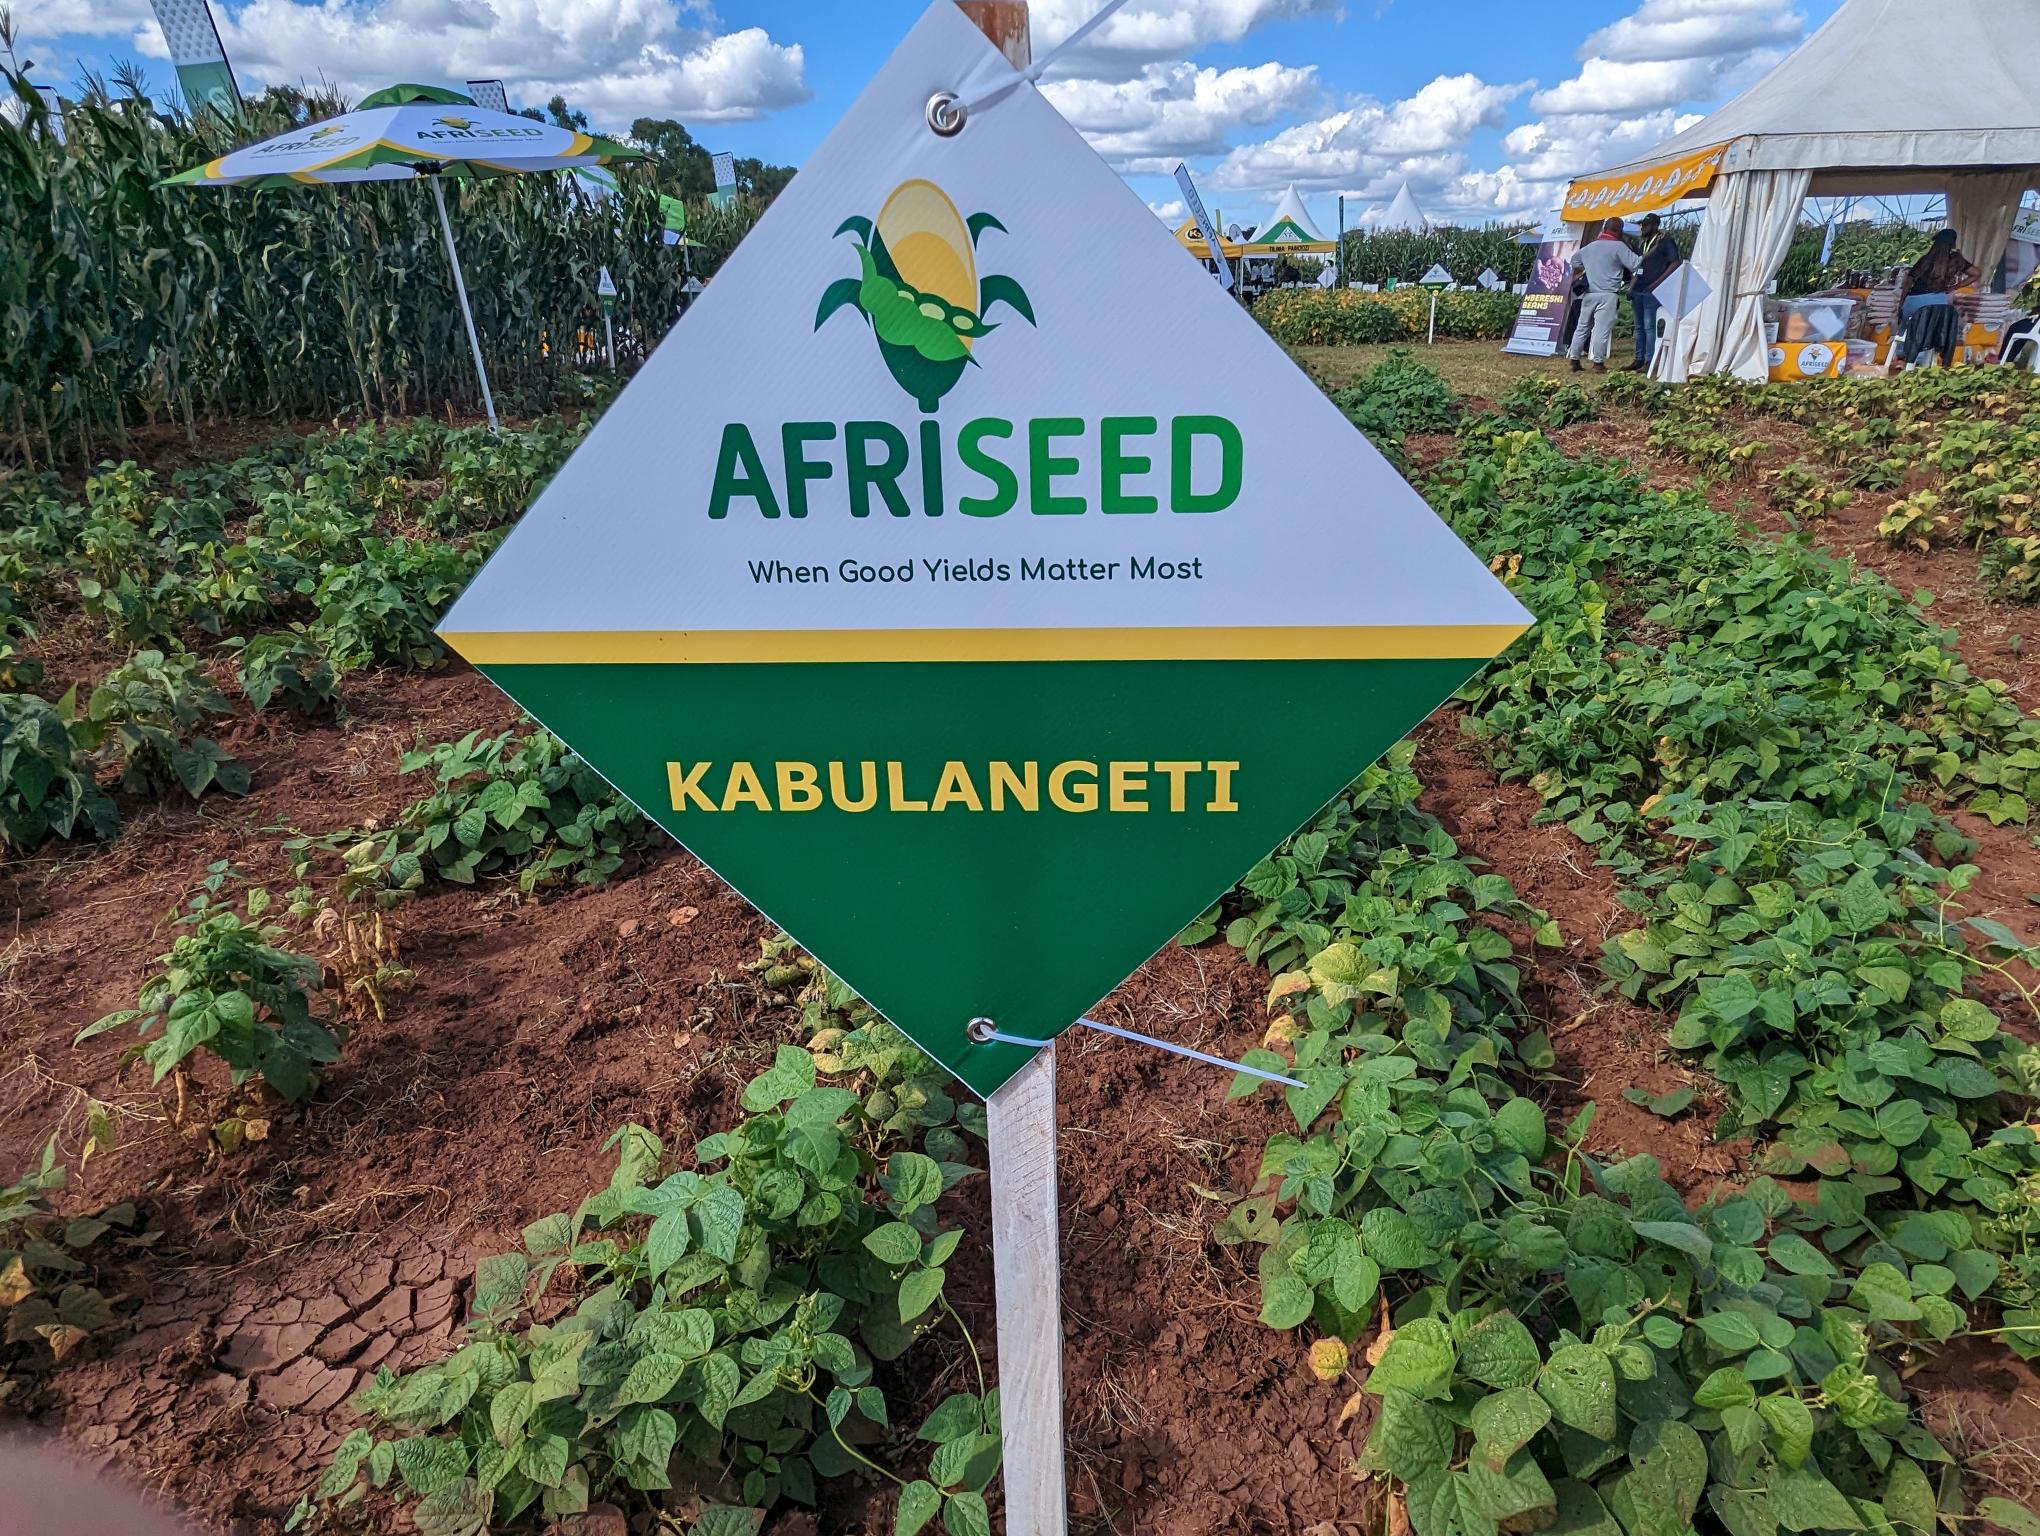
x,y
1290,229
1191,238
1889,96
1402,213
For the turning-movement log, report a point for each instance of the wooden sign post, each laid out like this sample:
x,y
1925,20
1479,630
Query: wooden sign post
x,y
1027,1288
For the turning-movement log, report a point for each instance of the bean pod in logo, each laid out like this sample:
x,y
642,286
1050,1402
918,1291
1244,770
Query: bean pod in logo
x,y
919,288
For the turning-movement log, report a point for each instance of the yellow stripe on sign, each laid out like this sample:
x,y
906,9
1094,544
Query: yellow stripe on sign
x,y
1379,642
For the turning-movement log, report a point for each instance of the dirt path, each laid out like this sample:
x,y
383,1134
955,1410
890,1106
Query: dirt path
x,y
1604,1042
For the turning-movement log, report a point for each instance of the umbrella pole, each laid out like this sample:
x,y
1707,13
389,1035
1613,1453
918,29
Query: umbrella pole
x,y
466,314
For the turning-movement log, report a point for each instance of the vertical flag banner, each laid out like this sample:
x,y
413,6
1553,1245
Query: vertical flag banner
x,y
1205,226
725,178
490,94
201,62
980,599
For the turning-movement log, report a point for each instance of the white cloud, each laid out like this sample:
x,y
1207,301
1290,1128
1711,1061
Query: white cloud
x,y
1666,52
1171,112
614,59
1151,31
98,18
1171,212
1695,29
1635,76
1366,149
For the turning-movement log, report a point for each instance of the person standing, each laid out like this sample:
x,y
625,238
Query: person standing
x,y
1606,262
1659,259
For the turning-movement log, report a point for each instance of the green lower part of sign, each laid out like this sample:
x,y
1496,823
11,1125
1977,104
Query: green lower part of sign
x,y
1006,839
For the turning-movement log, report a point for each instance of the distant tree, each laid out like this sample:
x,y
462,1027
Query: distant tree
x,y
757,179
558,113
682,167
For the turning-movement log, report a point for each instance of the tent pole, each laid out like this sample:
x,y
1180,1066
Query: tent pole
x,y
466,314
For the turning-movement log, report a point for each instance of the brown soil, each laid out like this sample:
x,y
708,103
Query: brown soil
x,y
1604,1042
345,1240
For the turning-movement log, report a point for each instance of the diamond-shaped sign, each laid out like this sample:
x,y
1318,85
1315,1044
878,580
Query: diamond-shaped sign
x,y
968,580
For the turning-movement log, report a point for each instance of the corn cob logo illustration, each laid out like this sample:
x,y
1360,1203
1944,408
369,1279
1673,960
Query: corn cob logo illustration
x,y
455,122
919,288
319,135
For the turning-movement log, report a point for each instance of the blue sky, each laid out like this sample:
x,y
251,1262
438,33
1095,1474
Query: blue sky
x,y
1484,106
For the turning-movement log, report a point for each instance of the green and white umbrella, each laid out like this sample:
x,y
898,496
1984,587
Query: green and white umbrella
x,y
405,132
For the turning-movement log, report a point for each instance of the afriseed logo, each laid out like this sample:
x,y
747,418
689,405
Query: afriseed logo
x,y
920,288
332,136
464,128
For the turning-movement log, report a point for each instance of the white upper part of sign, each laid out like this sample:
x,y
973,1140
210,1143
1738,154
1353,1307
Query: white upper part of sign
x,y
970,383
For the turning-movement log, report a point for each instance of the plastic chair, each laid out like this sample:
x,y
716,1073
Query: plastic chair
x,y
2030,341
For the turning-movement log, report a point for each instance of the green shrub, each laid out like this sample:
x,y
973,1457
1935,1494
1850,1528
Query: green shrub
x,y
509,802
46,783
1399,395
1538,401
1320,317
48,1303
1564,1342
382,606
144,715
491,479
293,665
725,1317
227,986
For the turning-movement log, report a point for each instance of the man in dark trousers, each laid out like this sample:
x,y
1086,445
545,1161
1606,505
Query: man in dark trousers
x,y
1660,257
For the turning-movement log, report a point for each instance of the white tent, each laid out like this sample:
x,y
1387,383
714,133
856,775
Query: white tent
x,y
1402,213
1289,228
1290,210
1890,96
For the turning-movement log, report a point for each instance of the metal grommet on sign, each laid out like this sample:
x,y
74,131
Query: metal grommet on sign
x,y
947,114
980,1030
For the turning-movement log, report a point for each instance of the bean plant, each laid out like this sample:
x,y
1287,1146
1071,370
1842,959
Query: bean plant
x,y
227,986
724,1316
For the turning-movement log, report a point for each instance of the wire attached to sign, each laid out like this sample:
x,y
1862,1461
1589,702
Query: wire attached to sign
x,y
959,110
984,1032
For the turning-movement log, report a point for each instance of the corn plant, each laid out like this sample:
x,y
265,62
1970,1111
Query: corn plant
x,y
134,304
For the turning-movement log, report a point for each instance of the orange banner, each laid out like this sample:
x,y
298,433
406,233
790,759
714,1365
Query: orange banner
x,y
1643,189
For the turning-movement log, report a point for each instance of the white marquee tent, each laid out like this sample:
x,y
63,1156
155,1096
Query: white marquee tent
x,y
1289,228
1402,213
1889,97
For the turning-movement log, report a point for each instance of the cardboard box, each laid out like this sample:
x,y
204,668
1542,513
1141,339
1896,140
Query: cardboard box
x,y
1808,360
